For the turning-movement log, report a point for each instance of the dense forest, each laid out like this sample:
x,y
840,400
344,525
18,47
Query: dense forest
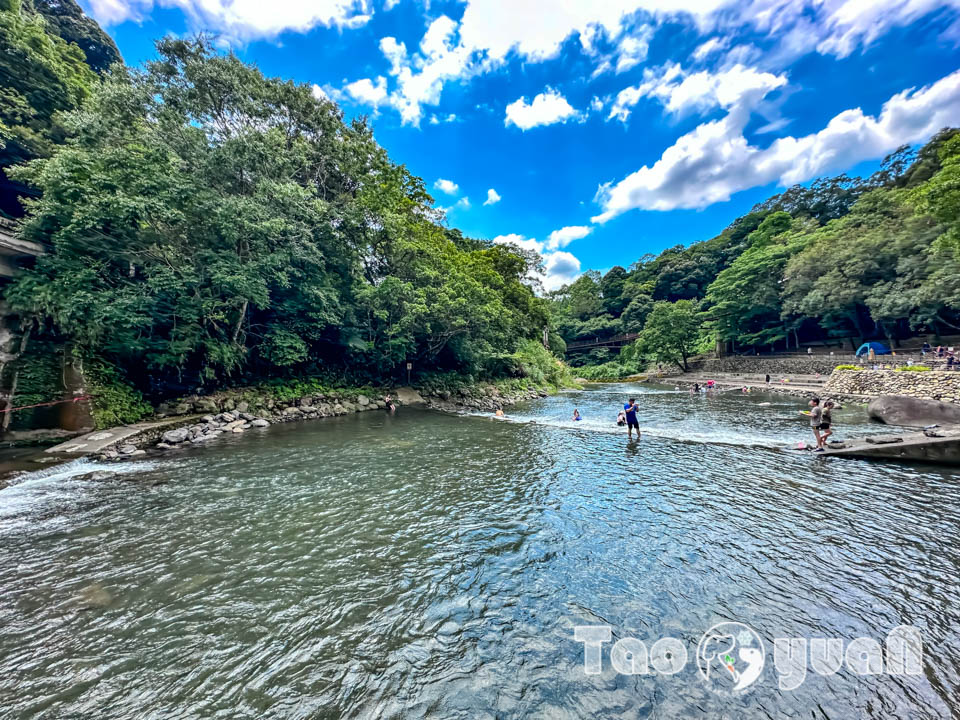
x,y
844,259
207,225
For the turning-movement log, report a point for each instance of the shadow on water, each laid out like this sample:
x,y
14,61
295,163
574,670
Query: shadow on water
x,y
426,565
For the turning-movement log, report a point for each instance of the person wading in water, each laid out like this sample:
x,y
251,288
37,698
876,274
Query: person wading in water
x,y
630,411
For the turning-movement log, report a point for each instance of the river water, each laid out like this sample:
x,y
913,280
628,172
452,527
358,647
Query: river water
x,y
431,566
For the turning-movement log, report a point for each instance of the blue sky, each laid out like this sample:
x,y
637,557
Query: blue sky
x,y
605,129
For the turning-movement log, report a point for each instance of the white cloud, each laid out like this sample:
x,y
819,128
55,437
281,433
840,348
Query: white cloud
x,y
596,104
464,203
447,186
493,197
520,241
395,52
711,46
318,92
564,236
713,161
367,91
547,108
243,20
633,49
560,268
680,92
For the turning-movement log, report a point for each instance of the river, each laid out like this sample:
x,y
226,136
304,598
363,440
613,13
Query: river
x,y
431,566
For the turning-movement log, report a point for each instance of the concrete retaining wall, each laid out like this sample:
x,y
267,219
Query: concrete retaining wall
x,y
932,385
775,366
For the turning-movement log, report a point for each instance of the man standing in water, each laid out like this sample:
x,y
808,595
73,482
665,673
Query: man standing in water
x,y
816,415
630,410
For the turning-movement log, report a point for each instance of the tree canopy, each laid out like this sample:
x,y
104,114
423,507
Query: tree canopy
x,y
208,220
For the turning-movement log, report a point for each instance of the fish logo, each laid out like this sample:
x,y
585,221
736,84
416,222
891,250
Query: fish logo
x,y
730,657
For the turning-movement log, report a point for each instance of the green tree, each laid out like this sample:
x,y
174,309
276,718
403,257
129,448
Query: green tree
x,y
671,332
206,220
744,303
41,76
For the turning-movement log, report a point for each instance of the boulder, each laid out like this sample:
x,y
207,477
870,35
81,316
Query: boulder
x,y
229,404
259,422
175,436
248,417
127,449
291,411
180,409
363,400
205,405
884,439
242,407
205,438
914,412
163,446
234,425
409,396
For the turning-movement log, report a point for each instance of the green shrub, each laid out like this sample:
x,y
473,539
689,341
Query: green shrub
x,y
114,402
913,368
848,367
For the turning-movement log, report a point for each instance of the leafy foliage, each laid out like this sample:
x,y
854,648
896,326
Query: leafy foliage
x,y
209,223
670,333
841,258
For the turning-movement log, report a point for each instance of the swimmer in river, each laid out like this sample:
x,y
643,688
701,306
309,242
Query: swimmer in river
x,y
621,418
388,402
630,412
576,414
499,413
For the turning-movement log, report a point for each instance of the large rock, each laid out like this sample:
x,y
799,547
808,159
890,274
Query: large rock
x,y
176,436
409,396
903,410
363,400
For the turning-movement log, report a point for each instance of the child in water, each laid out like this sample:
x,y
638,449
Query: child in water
x,y
576,414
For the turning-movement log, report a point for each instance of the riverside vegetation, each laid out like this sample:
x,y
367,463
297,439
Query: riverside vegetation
x,y
843,259
210,228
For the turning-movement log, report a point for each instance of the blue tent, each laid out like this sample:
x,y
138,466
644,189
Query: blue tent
x,y
878,348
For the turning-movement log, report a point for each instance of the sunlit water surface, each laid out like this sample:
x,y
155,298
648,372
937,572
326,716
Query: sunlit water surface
x,y
425,565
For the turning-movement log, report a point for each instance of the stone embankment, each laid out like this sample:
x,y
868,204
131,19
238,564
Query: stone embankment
x,y
246,410
484,398
226,414
773,366
931,385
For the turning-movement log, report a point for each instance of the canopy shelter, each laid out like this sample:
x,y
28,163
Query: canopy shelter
x,y
878,349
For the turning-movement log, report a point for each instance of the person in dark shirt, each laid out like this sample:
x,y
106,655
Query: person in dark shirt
x,y
630,411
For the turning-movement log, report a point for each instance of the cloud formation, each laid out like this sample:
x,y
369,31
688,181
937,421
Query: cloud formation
x,y
493,197
681,92
714,160
547,108
447,186
243,20
564,236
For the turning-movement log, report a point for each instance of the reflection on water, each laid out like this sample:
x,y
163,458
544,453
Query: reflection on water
x,y
424,565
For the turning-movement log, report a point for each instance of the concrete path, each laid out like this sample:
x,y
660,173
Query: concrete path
x,y
99,439
912,446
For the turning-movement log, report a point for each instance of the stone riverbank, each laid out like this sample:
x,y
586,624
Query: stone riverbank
x,y
198,420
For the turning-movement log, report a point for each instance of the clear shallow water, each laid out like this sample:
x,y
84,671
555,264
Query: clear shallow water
x,y
424,565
